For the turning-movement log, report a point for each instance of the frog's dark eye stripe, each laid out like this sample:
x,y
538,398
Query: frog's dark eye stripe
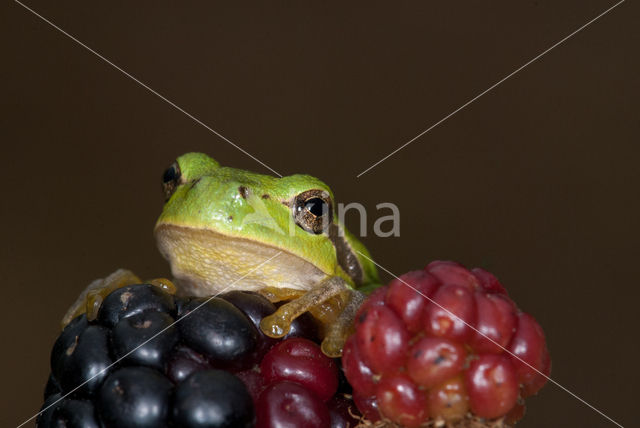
x,y
347,259
170,180
312,210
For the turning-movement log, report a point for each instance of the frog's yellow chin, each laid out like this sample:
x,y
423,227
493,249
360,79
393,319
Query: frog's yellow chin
x,y
205,262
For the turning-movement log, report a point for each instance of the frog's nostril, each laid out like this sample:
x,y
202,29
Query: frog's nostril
x,y
244,192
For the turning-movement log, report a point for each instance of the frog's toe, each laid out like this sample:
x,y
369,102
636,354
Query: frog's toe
x,y
339,330
332,346
276,325
91,298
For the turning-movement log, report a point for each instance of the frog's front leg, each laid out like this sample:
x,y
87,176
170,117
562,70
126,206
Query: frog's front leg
x,y
279,294
278,324
91,298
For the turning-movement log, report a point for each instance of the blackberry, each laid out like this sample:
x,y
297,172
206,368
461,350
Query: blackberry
x,y
45,417
301,361
212,398
289,404
184,361
82,359
218,329
134,299
134,397
205,364
131,331
439,344
75,413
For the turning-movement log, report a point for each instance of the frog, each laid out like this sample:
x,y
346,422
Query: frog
x,y
224,229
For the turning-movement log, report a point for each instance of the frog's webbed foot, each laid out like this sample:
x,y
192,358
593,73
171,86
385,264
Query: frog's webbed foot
x,y
91,298
331,302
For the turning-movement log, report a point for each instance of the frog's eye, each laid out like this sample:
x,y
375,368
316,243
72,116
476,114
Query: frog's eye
x,y
170,180
312,210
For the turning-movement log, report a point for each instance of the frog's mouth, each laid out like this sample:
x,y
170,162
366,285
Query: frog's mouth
x,y
205,262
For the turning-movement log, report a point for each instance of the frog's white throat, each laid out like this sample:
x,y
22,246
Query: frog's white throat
x,y
205,262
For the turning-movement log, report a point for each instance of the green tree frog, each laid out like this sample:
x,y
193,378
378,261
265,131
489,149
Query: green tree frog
x,y
224,229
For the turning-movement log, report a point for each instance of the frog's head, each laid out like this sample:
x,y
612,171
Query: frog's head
x,y
219,223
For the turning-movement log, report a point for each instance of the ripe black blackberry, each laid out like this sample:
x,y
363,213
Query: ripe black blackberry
x,y
201,371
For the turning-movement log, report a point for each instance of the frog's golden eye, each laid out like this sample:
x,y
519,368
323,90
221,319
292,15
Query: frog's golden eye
x,y
170,180
312,210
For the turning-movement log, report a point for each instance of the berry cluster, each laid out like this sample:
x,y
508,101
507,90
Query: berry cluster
x,y
213,368
444,343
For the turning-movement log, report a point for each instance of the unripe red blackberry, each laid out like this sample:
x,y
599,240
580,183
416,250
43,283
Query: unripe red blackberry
x,y
444,344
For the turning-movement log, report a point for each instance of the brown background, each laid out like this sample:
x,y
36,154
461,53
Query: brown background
x,y
536,181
